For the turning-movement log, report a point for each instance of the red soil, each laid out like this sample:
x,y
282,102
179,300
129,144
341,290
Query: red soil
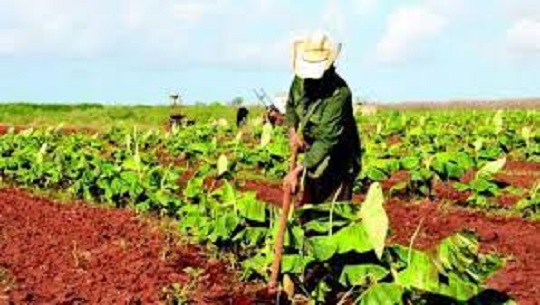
x,y
519,174
394,140
446,191
4,129
522,166
78,254
271,193
514,237
395,178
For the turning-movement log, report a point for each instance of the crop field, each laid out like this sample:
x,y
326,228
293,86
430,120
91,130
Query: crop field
x,y
107,206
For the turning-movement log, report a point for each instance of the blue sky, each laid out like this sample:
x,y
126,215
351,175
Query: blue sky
x,y
137,51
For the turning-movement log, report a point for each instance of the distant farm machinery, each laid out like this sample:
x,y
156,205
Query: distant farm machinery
x,y
176,117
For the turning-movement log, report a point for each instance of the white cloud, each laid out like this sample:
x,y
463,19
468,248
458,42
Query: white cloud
x,y
292,23
520,9
10,42
40,25
192,11
270,54
523,38
448,8
334,19
406,30
365,7
92,28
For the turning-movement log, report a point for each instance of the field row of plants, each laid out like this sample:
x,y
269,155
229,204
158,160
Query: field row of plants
x,y
341,251
336,251
107,167
427,148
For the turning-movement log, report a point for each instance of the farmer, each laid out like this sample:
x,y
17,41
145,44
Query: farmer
x,y
241,116
274,116
321,124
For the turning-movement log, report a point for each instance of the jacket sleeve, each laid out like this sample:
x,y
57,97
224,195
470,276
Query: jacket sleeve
x,y
331,128
295,94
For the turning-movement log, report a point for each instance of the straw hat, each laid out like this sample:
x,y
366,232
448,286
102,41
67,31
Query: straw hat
x,y
313,55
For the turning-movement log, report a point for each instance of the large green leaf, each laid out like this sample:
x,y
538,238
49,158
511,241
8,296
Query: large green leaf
x,y
459,289
297,234
322,247
256,264
227,193
222,165
224,226
491,168
266,135
352,238
421,273
345,210
458,251
295,263
319,226
459,254
250,208
382,294
251,236
480,185
410,162
452,164
359,275
498,121
194,187
375,174
374,218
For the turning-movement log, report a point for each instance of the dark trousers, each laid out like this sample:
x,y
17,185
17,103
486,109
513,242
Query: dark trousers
x,y
331,187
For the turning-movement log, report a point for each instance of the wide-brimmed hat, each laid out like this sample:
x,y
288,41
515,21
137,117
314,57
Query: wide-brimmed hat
x,y
313,55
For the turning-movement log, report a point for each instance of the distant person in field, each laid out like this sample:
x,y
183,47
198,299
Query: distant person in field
x,y
276,113
319,114
274,116
241,116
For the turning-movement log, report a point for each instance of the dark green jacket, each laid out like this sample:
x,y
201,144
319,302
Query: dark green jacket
x,y
324,116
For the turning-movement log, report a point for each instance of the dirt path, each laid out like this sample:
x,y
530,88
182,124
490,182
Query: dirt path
x,y
78,254
513,237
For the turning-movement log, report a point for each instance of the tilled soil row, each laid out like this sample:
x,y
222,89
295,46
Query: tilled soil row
x,y
79,254
515,238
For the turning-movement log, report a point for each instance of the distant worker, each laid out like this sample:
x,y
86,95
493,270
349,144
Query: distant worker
x,y
241,116
319,114
274,116
276,113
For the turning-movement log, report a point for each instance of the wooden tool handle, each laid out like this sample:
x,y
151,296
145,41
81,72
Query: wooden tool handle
x,y
278,245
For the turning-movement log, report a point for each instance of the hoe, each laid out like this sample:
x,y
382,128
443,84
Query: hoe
x,y
285,210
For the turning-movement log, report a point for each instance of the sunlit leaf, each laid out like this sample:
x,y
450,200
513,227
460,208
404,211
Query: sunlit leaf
x,y
352,238
374,218
250,208
322,247
382,294
222,165
421,273
491,168
359,275
266,134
